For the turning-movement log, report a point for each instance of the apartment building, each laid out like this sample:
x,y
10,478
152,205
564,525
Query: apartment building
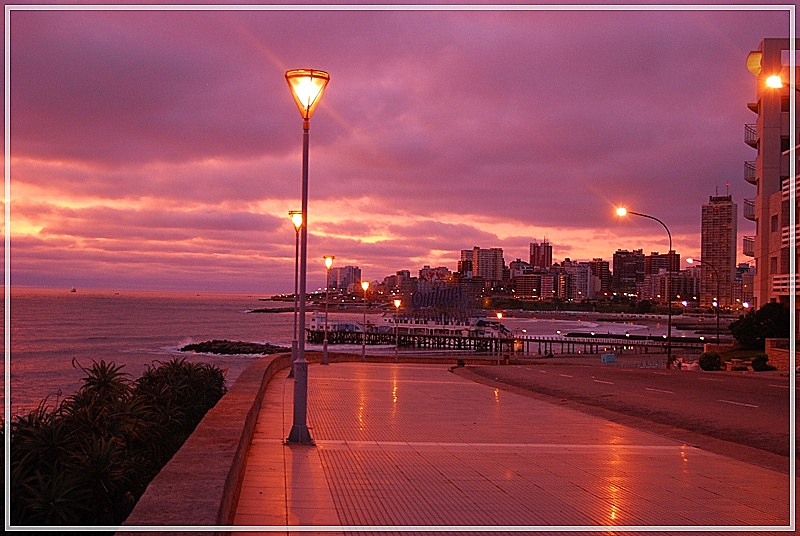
x,y
775,162
718,251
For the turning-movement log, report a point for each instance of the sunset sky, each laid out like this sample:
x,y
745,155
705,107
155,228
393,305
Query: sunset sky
x,y
162,149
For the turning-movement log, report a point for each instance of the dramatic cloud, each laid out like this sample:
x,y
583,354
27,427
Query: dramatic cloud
x,y
162,149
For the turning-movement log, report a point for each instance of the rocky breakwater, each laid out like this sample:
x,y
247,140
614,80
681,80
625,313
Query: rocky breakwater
x,y
226,347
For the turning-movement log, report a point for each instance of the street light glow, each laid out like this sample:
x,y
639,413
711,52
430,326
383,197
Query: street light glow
x,y
329,261
307,86
622,211
774,81
297,218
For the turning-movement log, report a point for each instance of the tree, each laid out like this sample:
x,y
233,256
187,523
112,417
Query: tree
x,y
769,322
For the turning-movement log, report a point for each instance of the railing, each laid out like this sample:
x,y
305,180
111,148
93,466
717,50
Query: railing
x,y
750,171
748,246
785,235
782,284
785,188
750,135
749,209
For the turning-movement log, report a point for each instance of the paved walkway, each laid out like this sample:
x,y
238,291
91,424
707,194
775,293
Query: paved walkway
x,y
418,446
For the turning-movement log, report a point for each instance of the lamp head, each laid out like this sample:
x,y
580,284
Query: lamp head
x,y
690,260
297,219
329,261
365,285
307,86
774,81
397,303
622,211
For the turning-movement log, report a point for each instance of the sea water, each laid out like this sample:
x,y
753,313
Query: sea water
x,y
53,334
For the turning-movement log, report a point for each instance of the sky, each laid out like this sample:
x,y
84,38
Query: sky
x,y
163,149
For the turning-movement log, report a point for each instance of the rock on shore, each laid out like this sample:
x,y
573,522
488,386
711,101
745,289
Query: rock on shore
x,y
227,347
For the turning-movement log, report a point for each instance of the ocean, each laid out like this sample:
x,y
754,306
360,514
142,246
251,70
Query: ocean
x,y
55,332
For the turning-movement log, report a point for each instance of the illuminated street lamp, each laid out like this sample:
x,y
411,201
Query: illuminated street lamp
x,y
397,302
716,301
776,82
328,264
307,86
365,286
297,221
622,212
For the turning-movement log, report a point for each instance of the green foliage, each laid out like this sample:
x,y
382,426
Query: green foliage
x,y
759,363
710,361
768,322
87,461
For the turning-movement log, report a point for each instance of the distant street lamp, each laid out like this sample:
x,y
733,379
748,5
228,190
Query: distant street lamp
x,y
716,302
365,286
328,264
397,302
297,221
622,212
307,86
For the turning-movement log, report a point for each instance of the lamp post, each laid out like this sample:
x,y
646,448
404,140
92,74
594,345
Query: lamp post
x,y
776,82
328,264
622,211
397,302
307,86
718,300
365,286
297,221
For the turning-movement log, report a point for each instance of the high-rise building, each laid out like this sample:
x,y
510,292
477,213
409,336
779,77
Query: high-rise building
x,y
342,277
541,255
770,172
486,263
718,251
628,269
601,269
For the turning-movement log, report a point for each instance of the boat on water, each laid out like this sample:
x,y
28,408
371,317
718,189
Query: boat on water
x,y
410,325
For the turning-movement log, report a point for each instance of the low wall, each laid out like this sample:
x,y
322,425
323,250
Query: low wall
x,y
200,484
777,351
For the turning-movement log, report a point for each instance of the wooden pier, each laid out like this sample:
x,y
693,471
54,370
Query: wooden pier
x,y
524,344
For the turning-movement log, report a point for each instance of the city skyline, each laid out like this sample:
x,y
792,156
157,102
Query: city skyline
x,y
161,150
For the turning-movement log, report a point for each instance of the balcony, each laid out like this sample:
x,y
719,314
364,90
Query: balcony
x,y
786,189
753,107
785,235
751,136
782,284
749,246
750,172
749,209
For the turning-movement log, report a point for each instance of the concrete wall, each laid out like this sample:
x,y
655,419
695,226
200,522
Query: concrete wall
x,y
777,351
200,484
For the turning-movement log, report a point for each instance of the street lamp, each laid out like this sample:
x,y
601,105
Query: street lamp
x,y
307,86
622,212
328,264
365,286
716,303
297,221
397,302
776,82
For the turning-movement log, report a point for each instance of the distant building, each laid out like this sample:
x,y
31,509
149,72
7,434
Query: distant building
x,y
601,270
486,263
342,278
718,251
541,255
628,270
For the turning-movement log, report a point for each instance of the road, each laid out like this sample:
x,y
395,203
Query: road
x,y
737,414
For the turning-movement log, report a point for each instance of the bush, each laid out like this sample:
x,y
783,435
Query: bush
x,y
759,363
769,322
88,461
710,361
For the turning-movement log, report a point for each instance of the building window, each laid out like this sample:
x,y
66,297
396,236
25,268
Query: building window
x,y
773,224
785,104
773,265
784,143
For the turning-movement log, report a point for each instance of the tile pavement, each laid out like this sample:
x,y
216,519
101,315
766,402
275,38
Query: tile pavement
x,y
416,447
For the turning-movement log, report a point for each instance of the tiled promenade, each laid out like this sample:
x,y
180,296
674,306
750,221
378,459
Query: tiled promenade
x,y
416,445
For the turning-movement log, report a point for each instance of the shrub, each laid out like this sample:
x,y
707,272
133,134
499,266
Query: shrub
x,y
759,363
710,361
87,461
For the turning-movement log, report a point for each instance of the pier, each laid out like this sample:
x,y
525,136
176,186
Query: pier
x,y
522,344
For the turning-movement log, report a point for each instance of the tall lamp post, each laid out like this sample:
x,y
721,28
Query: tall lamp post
x,y
397,302
365,286
307,86
297,221
328,264
717,302
622,211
